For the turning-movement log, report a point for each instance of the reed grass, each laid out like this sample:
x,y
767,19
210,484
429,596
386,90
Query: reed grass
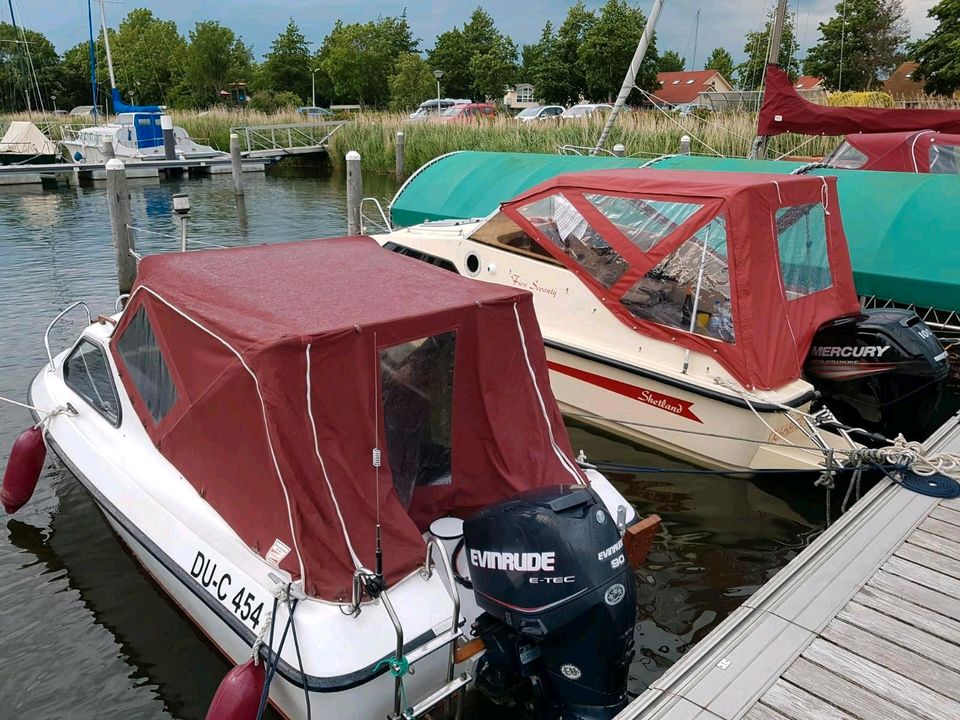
x,y
644,134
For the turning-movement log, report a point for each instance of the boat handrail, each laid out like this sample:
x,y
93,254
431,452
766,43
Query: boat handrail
x,y
387,225
451,590
58,318
398,677
121,301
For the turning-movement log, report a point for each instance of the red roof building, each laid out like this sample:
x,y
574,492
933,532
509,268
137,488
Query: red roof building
x,y
808,82
678,88
901,84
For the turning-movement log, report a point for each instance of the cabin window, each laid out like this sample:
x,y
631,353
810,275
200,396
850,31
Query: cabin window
x,y
502,232
847,156
421,256
416,381
561,223
944,159
644,222
802,243
141,354
690,288
87,373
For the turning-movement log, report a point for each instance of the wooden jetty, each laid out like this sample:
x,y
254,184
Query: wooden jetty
x,y
862,625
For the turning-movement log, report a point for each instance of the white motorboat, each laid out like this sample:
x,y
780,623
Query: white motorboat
x,y
699,313
292,438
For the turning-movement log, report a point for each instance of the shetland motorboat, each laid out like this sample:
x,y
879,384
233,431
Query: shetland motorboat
x,y
699,313
340,462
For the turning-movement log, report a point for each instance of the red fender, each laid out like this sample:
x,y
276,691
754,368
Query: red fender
x,y
23,469
238,697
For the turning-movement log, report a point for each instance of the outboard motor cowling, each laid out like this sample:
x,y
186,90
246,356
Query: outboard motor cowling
x,y
549,568
883,369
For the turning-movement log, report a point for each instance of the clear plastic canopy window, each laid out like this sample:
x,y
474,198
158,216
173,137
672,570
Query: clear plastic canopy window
x,y
644,222
802,245
565,227
945,159
690,288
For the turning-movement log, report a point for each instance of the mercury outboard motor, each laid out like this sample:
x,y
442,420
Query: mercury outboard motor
x,y
882,369
549,569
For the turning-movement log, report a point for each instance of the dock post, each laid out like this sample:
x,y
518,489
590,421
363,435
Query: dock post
x,y
619,150
236,164
118,198
401,141
108,151
354,192
169,141
685,145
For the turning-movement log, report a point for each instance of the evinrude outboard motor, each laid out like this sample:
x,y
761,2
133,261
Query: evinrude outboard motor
x,y
882,369
549,568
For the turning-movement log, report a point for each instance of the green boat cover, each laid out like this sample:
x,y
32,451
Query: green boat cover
x,y
903,229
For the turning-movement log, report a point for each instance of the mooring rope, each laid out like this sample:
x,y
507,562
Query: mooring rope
x,y
45,415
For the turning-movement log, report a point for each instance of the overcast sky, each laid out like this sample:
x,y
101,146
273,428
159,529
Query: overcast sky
x,y
722,22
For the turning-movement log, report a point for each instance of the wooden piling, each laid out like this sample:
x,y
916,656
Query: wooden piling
x,y
401,142
354,192
108,151
118,199
236,164
169,141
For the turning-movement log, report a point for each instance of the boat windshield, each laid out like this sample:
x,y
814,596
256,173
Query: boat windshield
x,y
847,156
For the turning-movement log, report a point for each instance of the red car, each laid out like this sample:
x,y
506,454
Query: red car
x,y
474,112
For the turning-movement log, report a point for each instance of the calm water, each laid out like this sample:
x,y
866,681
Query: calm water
x,y
86,634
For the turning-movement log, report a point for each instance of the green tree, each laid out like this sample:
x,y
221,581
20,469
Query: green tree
x,y
750,72
214,59
495,70
608,48
411,82
671,61
566,58
474,59
74,75
358,59
27,79
721,61
451,54
148,57
861,44
286,68
268,101
939,52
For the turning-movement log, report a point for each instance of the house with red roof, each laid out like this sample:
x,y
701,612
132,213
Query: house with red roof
x,y
809,82
682,88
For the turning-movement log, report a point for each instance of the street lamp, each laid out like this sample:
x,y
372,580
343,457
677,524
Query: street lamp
x,y
54,98
313,83
438,74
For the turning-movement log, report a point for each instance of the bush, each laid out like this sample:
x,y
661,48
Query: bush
x,y
268,101
860,99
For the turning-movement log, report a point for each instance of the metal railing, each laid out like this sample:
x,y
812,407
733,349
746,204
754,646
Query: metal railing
x,y
383,224
942,320
257,138
58,318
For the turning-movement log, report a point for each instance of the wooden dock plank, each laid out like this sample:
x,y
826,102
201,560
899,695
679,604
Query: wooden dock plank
x,y
941,528
917,594
927,558
844,694
946,515
885,683
902,634
951,503
923,576
935,543
797,704
933,623
894,657
762,712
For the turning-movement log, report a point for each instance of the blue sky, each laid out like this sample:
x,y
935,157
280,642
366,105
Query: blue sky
x,y
723,22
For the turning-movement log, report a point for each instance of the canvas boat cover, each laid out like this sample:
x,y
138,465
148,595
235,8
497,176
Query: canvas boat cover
x,y
25,137
267,376
918,151
744,267
785,111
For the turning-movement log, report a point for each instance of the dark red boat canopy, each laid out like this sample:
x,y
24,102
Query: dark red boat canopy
x,y
743,267
267,376
785,111
919,151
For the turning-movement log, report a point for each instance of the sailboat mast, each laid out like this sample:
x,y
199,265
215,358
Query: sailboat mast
x,y
759,149
106,44
696,38
629,81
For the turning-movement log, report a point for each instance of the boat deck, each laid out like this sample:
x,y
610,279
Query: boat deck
x,y
863,625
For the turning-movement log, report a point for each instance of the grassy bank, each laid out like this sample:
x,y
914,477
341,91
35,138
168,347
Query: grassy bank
x,y
644,134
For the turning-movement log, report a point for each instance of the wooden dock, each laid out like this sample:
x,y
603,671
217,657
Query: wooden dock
x,y
863,625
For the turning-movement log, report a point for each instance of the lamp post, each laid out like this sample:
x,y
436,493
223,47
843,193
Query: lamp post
x,y
313,85
54,98
438,74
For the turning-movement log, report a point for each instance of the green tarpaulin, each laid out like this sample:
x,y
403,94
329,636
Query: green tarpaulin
x,y
903,229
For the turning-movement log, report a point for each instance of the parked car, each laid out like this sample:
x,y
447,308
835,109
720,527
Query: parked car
x,y
543,112
429,107
684,109
318,113
585,110
472,112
